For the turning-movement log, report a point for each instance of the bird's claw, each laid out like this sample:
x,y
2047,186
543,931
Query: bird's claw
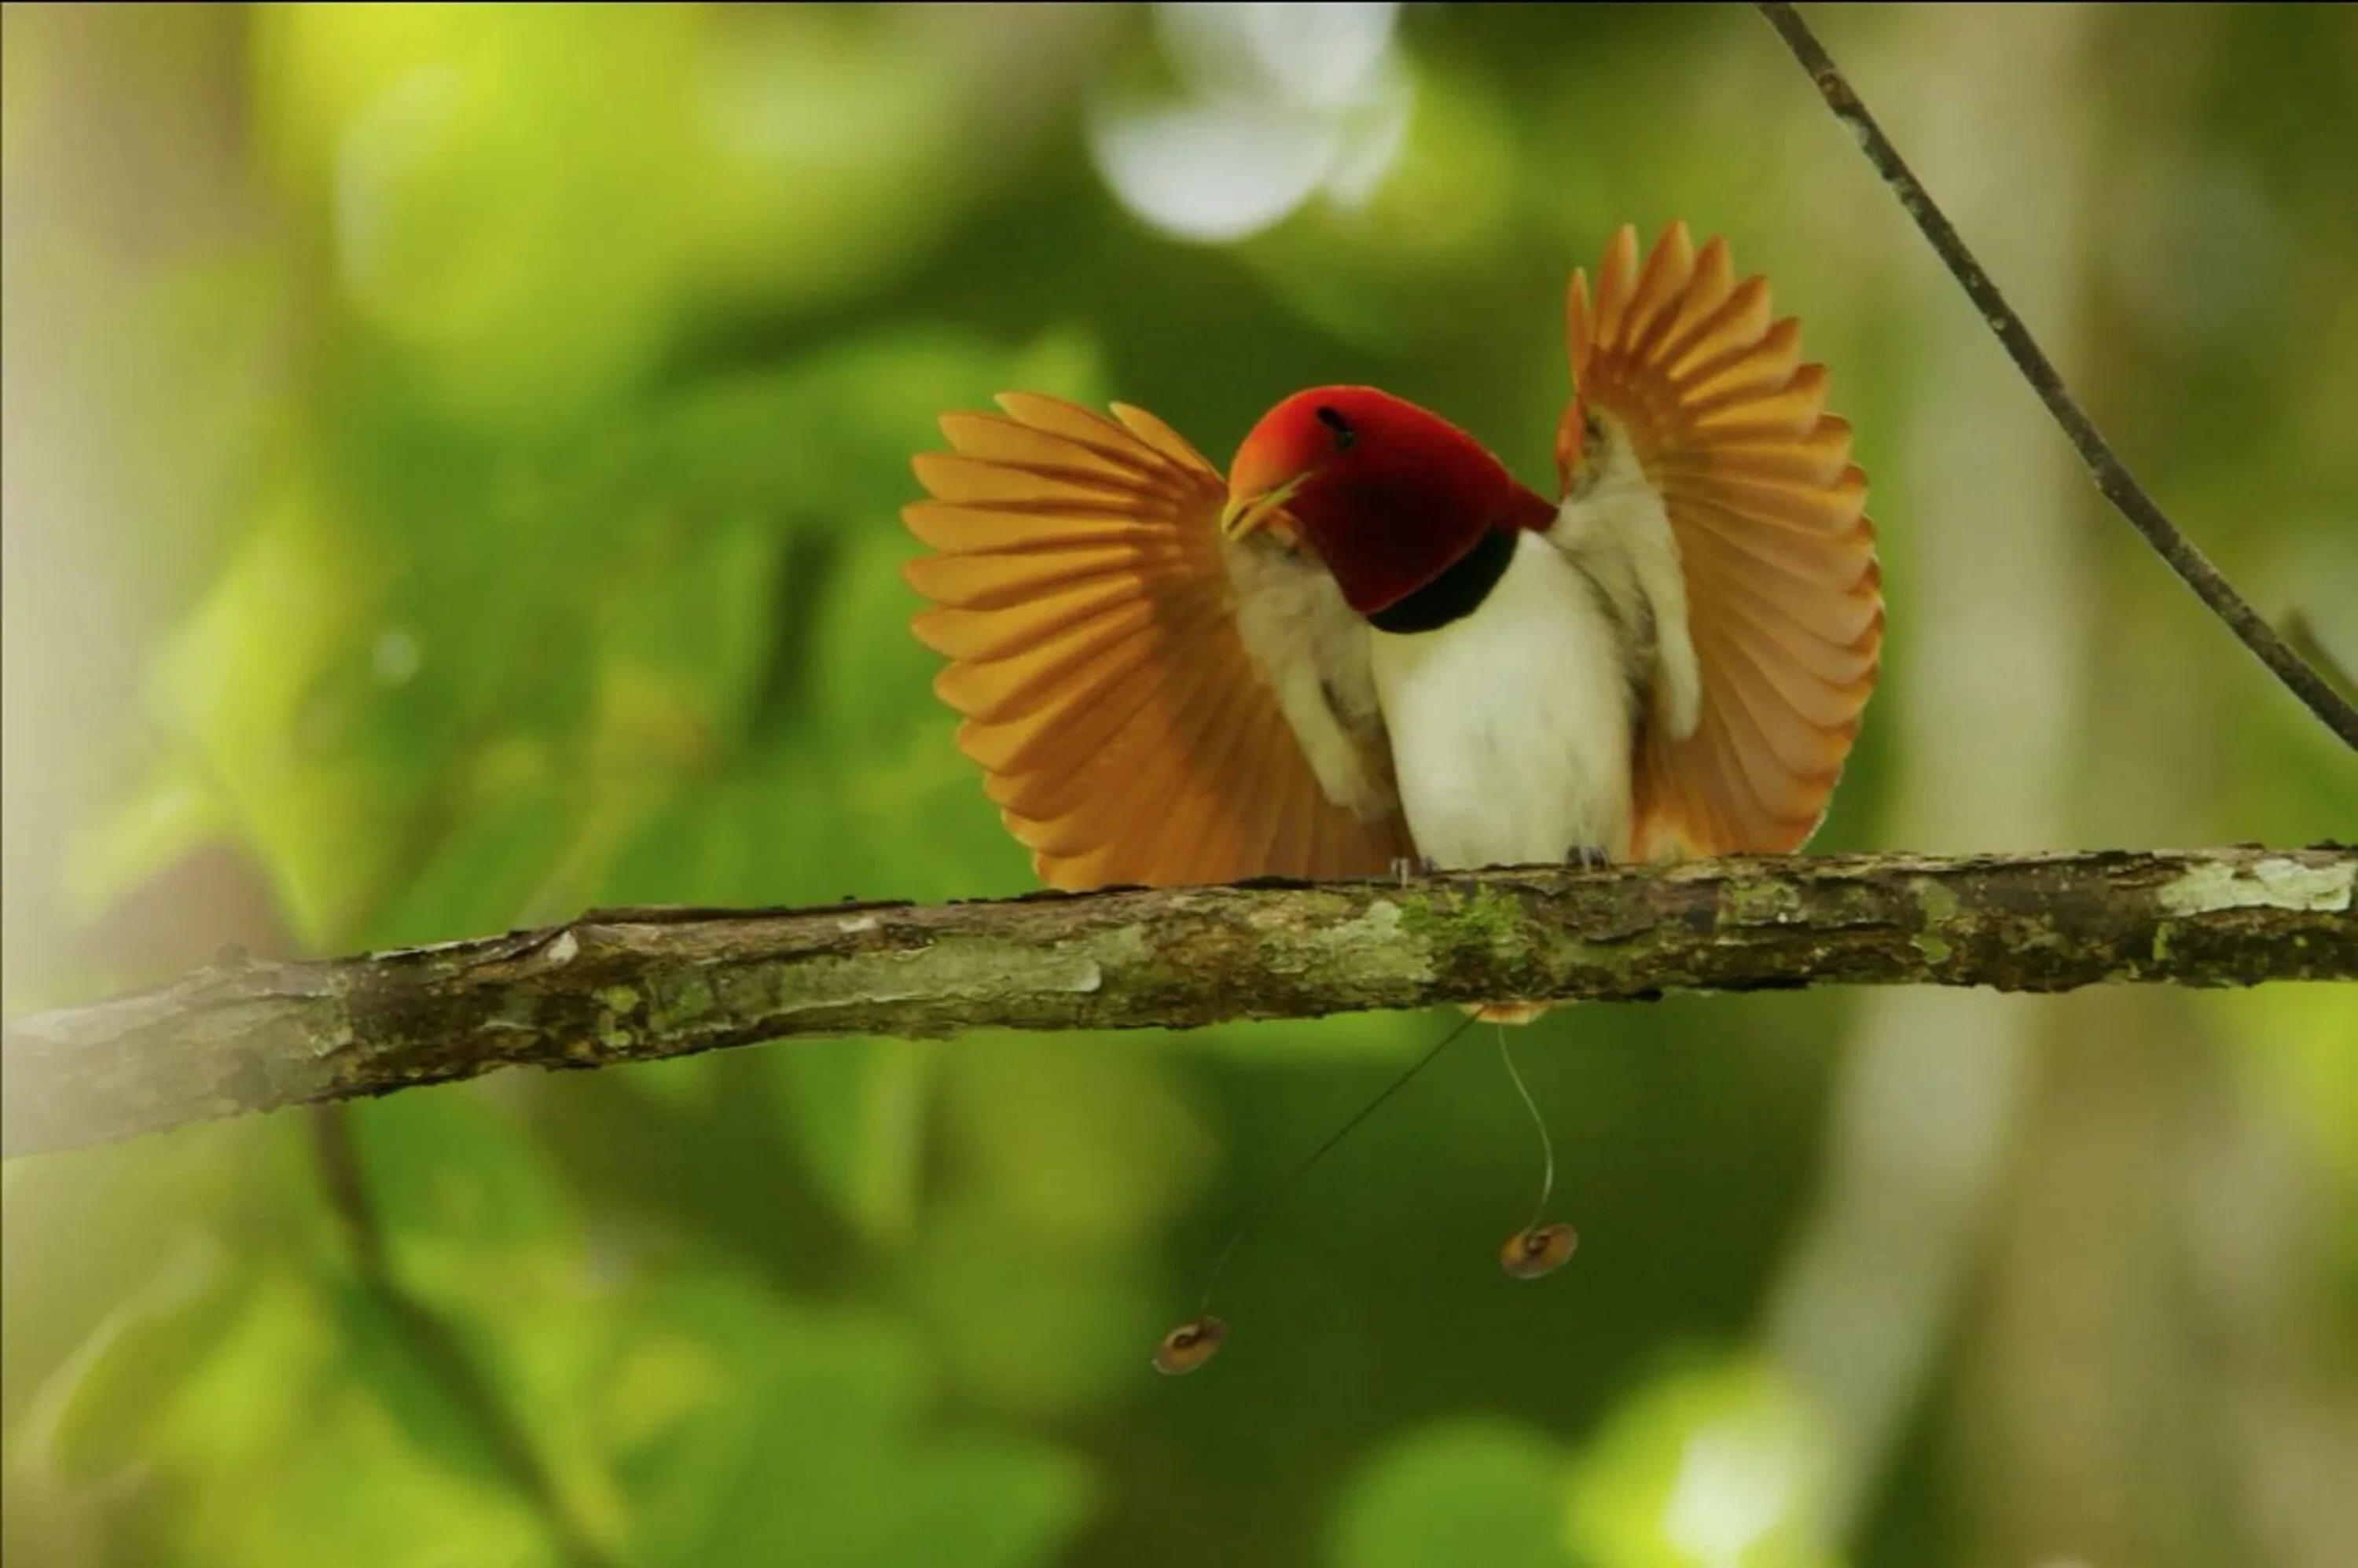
x,y
1404,867
1588,858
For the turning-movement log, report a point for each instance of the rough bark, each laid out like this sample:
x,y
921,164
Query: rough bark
x,y
636,985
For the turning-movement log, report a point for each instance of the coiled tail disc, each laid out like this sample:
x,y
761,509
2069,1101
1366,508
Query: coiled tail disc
x,y
1537,1249
1190,1345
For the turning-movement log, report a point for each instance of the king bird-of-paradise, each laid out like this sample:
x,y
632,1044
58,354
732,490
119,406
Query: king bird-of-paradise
x,y
1371,647
1371,644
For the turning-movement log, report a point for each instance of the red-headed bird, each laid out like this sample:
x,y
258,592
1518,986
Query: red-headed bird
x,y
1371,644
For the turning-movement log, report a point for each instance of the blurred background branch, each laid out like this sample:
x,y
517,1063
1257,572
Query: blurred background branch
x,y
2112,477
634,984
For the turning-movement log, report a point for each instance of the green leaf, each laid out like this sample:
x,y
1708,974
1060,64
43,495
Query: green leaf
x,y
1468,1490
995,1501
381,1469
474,1219
1073,1138
245,705
761,1433
411,1366
101,1409
450,1167
855,1113
1714,1465
1030,1323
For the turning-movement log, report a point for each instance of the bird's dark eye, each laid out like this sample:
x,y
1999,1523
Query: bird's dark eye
x,y
1344,434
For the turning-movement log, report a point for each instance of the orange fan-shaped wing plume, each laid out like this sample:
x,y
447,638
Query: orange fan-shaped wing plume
x,y
1784,598
1094,621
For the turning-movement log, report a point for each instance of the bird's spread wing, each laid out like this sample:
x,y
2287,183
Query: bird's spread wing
x,y
1149,703
1784,598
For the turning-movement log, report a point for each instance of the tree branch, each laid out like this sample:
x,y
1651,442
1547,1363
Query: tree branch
x,y
618,986
2112,477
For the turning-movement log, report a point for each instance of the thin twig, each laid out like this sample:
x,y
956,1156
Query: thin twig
x,y
637,985
2112,478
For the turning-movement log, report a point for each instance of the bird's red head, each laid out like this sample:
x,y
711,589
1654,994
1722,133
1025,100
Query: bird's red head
x,y
1388,495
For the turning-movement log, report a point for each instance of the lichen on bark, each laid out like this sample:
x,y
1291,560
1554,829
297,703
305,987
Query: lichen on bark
x,y
618,986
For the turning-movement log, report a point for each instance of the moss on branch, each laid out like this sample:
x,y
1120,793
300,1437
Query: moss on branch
x,y
634,984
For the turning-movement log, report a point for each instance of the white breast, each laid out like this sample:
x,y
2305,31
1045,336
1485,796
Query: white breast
x,y
1509,726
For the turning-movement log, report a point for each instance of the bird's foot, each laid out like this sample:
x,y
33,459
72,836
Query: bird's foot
x,y
1403,868
1587,857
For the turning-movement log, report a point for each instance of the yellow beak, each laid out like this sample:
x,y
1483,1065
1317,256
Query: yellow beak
x,y
1248,514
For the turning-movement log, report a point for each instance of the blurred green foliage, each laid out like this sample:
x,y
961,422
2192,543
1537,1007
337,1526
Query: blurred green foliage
x,y
454,455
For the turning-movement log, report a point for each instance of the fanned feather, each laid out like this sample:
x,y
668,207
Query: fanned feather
x,y
1082,597
1777,553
